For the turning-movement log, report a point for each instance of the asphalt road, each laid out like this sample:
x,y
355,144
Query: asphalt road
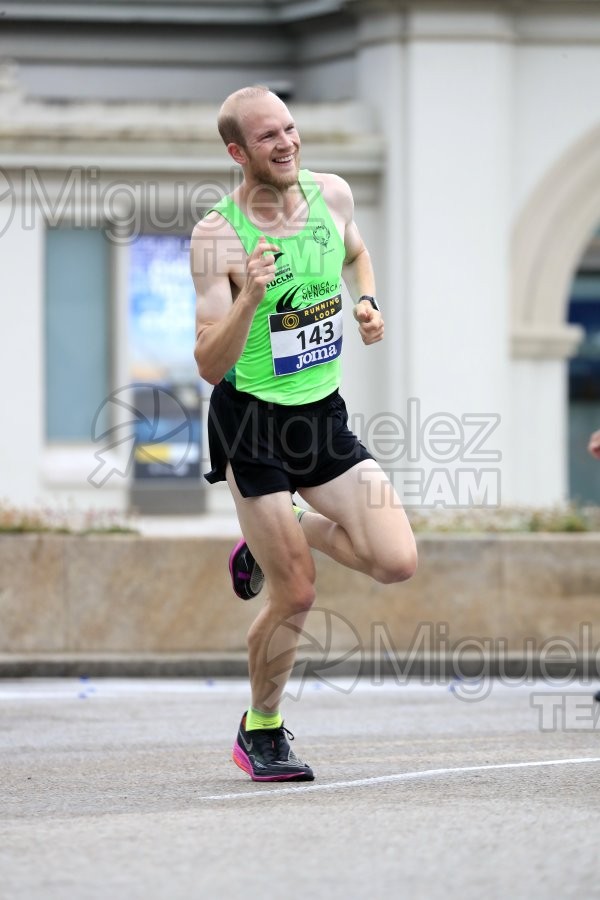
x,y
125,789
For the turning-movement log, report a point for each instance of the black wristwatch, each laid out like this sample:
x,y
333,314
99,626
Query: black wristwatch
x,y
371,300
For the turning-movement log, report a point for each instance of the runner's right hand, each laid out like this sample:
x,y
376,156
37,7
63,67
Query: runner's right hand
x,y
260,270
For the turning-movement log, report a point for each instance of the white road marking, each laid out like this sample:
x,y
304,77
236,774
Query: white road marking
x,y
401,776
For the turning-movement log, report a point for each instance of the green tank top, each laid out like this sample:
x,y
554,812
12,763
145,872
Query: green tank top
x,y
292,354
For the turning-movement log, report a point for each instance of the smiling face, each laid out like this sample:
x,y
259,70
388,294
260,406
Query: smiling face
x,y
270,154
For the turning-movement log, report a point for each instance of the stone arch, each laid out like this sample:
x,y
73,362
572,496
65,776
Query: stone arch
x,y
549,239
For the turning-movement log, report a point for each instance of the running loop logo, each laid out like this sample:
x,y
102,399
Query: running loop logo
x,y
329,652
290,321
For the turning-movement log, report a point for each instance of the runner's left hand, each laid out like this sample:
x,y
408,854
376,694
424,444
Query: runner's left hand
x,y
370,322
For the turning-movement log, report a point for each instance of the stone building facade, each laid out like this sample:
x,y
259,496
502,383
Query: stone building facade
x,y
470,135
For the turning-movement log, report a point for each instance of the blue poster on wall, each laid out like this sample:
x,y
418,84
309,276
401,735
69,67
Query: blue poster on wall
x,y
162,367
161,309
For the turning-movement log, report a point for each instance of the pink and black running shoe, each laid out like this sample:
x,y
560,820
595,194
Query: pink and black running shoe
x,y
247,576
265,755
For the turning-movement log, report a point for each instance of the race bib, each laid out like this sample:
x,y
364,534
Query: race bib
x,y
306,337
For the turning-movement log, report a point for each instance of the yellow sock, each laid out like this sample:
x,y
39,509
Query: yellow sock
x,y
256,719
298,510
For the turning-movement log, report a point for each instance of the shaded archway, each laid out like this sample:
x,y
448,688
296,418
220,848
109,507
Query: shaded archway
x,y
549,239
584,377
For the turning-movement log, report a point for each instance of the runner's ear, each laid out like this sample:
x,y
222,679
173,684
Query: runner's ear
x,y
237,154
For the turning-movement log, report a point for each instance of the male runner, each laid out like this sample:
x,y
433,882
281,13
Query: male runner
x,y
267,263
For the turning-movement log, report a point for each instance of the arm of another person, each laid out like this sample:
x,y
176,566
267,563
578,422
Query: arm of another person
x,y
358,270
222,323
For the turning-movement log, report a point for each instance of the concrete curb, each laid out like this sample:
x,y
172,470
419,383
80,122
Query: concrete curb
x,y
166,604
234,665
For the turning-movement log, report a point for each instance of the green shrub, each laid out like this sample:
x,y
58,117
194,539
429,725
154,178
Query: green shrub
x,y
568,518
56,521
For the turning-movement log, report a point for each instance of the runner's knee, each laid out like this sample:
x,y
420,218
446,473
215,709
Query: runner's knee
x,y
298,594
293,586
302,598
397,567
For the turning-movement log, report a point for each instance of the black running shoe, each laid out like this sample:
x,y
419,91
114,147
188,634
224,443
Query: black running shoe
x,y
265,755
246,575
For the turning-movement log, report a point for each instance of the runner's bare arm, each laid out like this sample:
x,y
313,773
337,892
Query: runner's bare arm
x,y
222,323
358,270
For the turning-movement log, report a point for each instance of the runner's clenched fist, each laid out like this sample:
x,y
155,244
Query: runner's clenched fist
x,y
260,270
370,322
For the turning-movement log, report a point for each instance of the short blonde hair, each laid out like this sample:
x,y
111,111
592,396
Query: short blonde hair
x,y
228,121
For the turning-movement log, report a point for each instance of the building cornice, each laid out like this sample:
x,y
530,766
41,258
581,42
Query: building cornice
x,y
261,12
165,136
177,12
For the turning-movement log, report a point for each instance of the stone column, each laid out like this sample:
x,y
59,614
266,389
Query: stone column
x,y
381,82
456,158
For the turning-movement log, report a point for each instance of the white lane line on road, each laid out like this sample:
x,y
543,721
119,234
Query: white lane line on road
x,y
401,776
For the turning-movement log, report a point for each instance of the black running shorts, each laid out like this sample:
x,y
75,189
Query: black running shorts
x,y
279,448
